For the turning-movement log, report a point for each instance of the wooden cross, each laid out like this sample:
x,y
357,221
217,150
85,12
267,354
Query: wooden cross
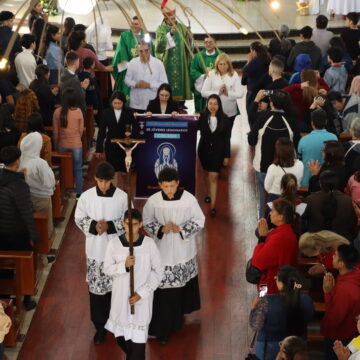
x,y
128,145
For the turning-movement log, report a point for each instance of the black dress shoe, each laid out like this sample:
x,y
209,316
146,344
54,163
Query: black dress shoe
x,y
162,340
207,199
99,337
213,211
29,305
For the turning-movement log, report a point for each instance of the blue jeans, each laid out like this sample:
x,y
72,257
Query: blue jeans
x,y
260,179
267,351
54,77
77,162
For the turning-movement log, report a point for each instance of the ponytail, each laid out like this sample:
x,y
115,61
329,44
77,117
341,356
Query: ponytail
x,y
289,188
291,279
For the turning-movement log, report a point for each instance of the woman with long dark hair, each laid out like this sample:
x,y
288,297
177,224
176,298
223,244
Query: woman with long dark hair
x,y
36,13
54,56
285,313
214,145
69,24
68,128
279,246
163,103
48,97
329,208
113,125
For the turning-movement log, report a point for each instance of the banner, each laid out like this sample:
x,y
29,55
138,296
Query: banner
x,y
170,142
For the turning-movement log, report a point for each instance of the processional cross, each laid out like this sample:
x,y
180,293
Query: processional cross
x,y
128,144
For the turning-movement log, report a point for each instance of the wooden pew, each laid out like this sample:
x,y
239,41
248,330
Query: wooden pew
x,y
89,124
41,223
103,78
57,204
23,283
65,161
345,137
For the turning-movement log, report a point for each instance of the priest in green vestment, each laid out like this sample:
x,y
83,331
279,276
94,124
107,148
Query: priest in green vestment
x,y
201,64
126,50
171,49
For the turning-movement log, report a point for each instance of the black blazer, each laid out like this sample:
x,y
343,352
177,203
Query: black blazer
x,y
110,128
154,106
219,140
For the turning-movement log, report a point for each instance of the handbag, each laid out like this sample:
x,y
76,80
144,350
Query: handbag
x,y
252,274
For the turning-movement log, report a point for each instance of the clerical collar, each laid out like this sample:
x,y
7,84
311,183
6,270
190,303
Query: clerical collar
x,y
177,195
109,192
125,243
210,54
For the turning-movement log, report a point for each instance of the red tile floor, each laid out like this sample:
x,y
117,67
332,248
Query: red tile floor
x,y
61,328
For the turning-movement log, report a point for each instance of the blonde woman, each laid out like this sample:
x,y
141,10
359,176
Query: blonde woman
x,y
323,245
224,81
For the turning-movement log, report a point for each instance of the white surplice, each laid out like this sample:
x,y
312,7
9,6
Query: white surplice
x,y
148,272
93,206
152,72
178,250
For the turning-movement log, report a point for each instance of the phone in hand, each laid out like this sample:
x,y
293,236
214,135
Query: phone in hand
x,y
263,289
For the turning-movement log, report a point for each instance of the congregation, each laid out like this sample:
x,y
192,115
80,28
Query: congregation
x,y
303,108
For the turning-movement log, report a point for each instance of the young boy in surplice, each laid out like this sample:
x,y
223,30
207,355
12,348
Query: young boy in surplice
x,y
131,331
99,215
173,217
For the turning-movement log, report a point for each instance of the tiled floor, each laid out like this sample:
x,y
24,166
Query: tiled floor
x,y
213,21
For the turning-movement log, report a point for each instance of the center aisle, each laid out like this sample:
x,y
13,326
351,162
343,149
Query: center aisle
x,y
61,327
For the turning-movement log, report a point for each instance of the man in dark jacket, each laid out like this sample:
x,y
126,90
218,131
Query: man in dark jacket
x,y
69,79
6,24
17,227
306,46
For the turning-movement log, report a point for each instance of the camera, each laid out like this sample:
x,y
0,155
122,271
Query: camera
x,y
268,92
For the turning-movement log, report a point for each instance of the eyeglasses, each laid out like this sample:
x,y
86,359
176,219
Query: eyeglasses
x,y
144,51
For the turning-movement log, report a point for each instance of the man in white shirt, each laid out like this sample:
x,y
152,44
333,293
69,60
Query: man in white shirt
x,y
144,75
25,62
321,37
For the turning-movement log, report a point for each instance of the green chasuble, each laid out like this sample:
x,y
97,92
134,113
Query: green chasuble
x,y
126,50
176,60
196,70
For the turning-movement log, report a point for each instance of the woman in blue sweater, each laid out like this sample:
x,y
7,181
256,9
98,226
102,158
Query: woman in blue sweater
x,y
277,316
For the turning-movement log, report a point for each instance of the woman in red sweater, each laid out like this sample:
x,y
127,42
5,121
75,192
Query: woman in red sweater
x,y
277,247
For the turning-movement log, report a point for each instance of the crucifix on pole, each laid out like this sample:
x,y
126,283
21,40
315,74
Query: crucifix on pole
x,y
128,144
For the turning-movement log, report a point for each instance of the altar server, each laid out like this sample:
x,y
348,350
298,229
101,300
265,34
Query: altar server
x,y
173,217
99,215
131,331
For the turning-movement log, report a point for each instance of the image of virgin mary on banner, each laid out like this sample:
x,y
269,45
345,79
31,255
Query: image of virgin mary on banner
x,y
170,141
166,159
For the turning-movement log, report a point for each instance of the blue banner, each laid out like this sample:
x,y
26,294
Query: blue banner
x,y
170,142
